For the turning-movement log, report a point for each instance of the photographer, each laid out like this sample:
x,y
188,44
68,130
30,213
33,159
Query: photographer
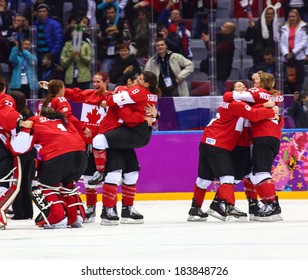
x,y
24,77
173,40
298,109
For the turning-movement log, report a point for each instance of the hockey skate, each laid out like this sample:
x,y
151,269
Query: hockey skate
x,y
97,178
130,215
78,222
60,225
109,217
234,214
90,214
253,209
40,221
224,211
196,214
10,213
271,211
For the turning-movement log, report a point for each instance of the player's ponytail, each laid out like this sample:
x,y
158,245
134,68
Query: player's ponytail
x,y
53,88
52,114
151,79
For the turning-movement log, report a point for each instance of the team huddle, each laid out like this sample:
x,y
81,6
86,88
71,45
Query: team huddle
x,y
64,143
240,144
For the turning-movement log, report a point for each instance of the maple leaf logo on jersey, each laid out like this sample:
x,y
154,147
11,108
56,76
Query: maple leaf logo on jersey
x,y
94,116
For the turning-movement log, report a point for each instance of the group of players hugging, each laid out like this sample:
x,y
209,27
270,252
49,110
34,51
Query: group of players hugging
x,y
239,144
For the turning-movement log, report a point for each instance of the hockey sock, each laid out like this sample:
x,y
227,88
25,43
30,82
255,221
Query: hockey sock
x,y
91,197
249,189
199,195
267,189
226,192
100,157
128,194
109,195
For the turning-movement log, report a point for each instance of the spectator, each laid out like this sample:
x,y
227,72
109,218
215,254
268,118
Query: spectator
x,y
123,64
24,77
50,71
156,6
173,21
18,30
298,109
84,24
6,20
264,33
110,39
293,44
76,61
224,54
142,53
141,25
107,4
132,7
6,17
300,5
268,65
203,10
84,8
171,70
49,34
173,40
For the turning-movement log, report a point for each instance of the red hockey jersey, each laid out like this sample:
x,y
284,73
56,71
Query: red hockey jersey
x,y
91,114
225,130
50,137
137,97
8,118
260,96
61,104
116,116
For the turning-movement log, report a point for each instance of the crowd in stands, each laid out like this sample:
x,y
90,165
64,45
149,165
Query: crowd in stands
x,y
63,45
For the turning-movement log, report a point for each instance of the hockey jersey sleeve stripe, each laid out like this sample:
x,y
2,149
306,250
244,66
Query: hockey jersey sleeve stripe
x,y
21,143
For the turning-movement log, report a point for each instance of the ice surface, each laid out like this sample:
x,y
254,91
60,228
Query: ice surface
x,y
165,235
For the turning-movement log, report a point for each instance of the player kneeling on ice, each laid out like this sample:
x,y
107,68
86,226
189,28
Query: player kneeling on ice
x,y
63,161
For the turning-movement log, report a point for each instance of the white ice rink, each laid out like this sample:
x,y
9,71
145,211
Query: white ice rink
x,y
165,236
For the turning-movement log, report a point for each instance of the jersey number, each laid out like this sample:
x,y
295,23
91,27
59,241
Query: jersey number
x,y
61,127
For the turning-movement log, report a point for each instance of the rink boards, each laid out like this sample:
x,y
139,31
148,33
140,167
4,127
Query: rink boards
x,y
169,167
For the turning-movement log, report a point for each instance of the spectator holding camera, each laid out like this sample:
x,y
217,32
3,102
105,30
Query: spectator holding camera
x,y
298,109
24,77
173,40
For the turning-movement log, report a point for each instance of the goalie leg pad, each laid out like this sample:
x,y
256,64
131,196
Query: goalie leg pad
x,y
50,205
74,206
7,197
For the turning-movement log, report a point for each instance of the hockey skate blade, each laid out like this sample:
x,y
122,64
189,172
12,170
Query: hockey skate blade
x,y
109,222
62,224
77,223
253,218
214,214
89,220
274,218
236,219
196,219
131,221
